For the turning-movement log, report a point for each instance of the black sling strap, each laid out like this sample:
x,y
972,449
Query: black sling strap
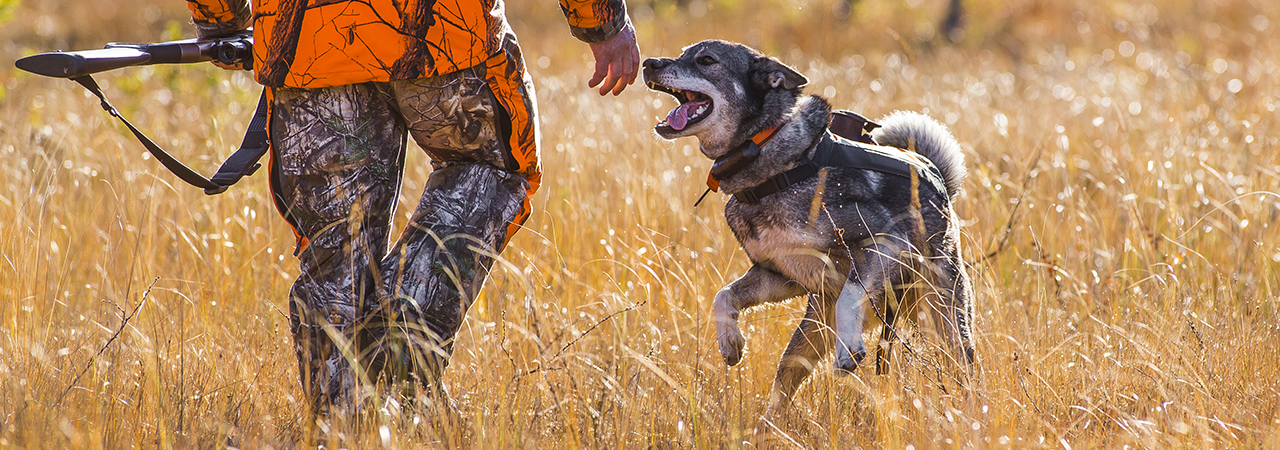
x,y
242,163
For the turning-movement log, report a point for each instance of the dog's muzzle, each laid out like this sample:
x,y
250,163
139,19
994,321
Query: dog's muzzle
x,y
694,106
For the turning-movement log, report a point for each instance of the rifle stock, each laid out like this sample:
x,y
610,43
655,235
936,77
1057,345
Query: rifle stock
x,y
231,50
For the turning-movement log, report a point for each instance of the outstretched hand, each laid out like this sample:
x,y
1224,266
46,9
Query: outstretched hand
x,y
617,61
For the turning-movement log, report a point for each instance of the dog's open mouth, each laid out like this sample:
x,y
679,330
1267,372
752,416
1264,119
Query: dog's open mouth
x,y
694,106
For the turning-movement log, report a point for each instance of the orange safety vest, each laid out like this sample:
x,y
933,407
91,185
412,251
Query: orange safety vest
x,y
321,43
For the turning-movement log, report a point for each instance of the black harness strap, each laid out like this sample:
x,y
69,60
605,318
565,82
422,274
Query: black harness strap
x,y
243,162
852,126
835,151
779,182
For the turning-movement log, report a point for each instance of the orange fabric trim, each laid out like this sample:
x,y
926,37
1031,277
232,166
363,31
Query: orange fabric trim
x,y
505,74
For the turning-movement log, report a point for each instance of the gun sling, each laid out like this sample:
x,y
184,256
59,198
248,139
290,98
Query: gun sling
x,y
242,163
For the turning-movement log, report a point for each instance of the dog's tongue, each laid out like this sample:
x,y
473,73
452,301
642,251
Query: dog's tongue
x,y
678,118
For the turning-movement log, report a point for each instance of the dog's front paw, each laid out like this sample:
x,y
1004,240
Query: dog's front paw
x,y
730,344
847,361
728,335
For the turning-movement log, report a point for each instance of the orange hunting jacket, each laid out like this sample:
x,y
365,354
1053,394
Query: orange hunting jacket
x,y
320,43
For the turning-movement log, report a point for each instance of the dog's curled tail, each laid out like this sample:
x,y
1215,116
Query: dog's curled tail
x,y
907,129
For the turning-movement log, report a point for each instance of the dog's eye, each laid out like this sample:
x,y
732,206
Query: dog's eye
x,y
706,60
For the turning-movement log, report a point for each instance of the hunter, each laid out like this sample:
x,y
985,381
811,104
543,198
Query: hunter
x,y
346,82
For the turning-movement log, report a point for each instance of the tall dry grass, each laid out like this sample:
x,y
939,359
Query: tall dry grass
x,y
1120,219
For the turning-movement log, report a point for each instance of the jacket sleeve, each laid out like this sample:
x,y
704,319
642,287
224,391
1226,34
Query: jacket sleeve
x,y
217,18
594,21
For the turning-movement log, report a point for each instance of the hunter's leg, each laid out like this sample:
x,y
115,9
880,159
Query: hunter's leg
x,y
757,287
476,196
335,177
437,268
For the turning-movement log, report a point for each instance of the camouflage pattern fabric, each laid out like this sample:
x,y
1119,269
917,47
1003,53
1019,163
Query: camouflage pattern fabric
x,y
362,311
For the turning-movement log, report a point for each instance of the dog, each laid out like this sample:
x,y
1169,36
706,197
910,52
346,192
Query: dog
x,y
853,240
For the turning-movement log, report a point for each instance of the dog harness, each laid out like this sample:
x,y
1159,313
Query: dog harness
x,y
845,144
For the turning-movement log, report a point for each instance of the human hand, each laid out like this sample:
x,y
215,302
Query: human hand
x,y
617,61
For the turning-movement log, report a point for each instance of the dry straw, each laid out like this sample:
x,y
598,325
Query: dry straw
x,y
1120,216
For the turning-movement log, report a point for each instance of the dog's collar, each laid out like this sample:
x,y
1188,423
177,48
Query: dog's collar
x,y
738,158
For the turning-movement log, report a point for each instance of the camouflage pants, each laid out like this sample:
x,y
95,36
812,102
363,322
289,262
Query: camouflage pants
x,y
363,311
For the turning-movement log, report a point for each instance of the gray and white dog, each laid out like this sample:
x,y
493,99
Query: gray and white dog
x,y
854,241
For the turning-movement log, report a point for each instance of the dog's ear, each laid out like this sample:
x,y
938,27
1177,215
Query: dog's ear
x,y
769,73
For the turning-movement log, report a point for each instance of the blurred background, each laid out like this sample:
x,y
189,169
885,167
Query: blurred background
x,y
1119,218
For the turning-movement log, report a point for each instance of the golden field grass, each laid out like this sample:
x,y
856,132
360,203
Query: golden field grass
x,y
1120,216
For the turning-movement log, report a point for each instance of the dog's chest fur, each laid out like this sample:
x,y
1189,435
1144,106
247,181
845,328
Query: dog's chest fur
x,y
777,234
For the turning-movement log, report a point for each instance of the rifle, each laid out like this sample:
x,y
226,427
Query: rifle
x,y
234,50
231,50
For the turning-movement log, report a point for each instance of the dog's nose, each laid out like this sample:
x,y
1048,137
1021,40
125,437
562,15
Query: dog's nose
x,y
653,65
656,63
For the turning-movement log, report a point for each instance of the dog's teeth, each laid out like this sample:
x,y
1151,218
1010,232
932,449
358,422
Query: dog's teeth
x,y
701,109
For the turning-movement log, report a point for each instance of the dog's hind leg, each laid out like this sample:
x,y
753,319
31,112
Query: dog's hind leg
x,y
887,335
809,344
757,287
865,284
898,305
953,311
850,314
